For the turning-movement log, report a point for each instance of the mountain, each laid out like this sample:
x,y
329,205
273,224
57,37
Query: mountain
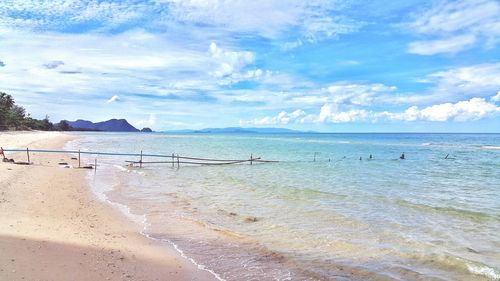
x,y
239,130
146,130
113,125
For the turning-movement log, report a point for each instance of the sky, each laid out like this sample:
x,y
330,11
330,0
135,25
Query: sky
x,y
328,66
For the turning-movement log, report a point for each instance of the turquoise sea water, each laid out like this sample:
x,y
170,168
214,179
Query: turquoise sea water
x,y
336,218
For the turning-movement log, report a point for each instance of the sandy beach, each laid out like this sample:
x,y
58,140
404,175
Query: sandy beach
x,y
54,228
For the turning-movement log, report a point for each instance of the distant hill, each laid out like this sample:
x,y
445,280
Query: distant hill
x,y
113,125
238,130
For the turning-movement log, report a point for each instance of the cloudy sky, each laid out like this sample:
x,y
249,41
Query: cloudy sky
x,y
339,65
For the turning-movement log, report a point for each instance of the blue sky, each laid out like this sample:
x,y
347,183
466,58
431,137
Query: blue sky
x,y
337,66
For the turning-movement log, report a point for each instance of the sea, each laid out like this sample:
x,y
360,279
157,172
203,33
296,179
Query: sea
x,y
323,211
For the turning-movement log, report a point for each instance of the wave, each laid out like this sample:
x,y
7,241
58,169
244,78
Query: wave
x,y
484,271
491,147
457,264
199,265
461,213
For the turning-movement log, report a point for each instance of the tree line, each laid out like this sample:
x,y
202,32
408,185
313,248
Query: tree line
x,y
14,117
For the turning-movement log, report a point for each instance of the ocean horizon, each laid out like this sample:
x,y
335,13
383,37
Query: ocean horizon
x,y
325,211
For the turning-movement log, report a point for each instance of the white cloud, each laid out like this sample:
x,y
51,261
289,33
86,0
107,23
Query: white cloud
x,y
496,98
470,110
135,65
330,113
129,62
357,94
150,122
448,45
292,45
113,99
311,20
229,62
268,18
479,80
56,14
283,118
342,92
454,26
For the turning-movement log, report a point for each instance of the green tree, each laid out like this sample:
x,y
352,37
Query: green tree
x,y
6,104
13,116
16,116
64,126
47,125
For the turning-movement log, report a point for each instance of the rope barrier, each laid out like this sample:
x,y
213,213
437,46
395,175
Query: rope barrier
x,y
175,159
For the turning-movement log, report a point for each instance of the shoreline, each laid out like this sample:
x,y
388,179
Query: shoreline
x,y
56,228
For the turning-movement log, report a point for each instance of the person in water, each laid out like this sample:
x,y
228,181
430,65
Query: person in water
x,y
370,157
402,157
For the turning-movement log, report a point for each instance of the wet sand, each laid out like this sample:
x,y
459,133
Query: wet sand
x,y
54,228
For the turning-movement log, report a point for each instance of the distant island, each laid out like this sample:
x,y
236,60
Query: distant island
x,y
239,130
14,117
112,125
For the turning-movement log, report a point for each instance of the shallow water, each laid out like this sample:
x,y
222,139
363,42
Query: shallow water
x,y
424,218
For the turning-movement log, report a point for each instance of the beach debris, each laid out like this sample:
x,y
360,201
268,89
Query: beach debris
x,y
20,163
233,214
274,256
74,158
251,219
8,160
472,250
63,163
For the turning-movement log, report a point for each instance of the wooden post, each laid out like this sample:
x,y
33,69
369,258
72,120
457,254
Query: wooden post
x,y
140,161
95,166
173,161
251,159
79,166
28,153
178,163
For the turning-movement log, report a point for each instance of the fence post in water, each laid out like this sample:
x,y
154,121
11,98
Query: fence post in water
x,y
178,163
173,160
251,159
140,161
28,153
79,158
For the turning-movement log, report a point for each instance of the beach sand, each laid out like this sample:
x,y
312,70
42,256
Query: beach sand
x,y
53,228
